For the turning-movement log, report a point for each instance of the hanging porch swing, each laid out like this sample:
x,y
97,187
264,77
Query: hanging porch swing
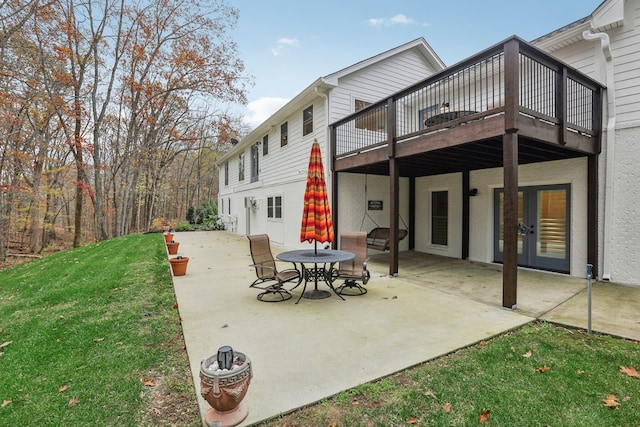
x,y
378,237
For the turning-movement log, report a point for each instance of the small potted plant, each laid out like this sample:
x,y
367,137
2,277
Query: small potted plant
x,y
179,265
172,247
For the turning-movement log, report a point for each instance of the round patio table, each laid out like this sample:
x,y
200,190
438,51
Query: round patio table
x,y
316,257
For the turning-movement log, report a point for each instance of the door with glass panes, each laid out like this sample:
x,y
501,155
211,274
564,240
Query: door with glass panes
x,y
543,226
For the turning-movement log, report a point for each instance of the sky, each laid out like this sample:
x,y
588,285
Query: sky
x,y
287,45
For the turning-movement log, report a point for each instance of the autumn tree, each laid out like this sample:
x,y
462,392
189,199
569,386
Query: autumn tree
x,y
14,109
125,96
180,58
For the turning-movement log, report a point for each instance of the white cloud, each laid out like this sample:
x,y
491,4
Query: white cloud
x,y
399,19
282,44
262,108
288,42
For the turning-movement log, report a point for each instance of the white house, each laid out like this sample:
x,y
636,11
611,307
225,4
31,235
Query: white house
x,y
522,154
263,177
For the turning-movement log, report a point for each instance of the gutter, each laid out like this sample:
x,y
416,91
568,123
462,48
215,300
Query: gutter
x,y
326,130
610,150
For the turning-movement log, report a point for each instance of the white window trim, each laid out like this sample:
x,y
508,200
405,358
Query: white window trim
x,y
430,211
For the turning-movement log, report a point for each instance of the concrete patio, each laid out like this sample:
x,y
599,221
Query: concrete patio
x,y
302,353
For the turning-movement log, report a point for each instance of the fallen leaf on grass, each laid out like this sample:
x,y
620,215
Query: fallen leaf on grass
x,y
528,354
334,424
63,388
5,344
175,305
5,403
484,417
430,394
447,407
626,398
611,401
11,297
543,368
483,343
630,371
73,401
149,383
412,420
98,339
355,401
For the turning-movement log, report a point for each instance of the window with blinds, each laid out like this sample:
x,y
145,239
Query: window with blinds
x,y
439,217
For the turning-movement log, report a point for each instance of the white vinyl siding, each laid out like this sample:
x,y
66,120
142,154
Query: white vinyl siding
x,y
377,82
285,163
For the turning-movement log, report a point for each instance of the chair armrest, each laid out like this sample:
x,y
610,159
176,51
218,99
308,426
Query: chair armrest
x,y
295,267
266,267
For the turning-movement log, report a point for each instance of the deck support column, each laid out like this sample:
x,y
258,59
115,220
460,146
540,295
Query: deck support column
x,y
334,186
465,214
394,188
510,220
394,200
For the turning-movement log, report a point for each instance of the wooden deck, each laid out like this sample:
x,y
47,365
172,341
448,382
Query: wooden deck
x,y
509,105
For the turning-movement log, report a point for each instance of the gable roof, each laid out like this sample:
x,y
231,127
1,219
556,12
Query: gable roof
x,y
609,14
420,44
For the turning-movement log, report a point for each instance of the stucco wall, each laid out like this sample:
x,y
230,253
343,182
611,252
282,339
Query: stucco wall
x,y
572,172
356,190
625,233
452,183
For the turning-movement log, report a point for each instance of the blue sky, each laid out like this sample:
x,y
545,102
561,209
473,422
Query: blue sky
x,y
287,45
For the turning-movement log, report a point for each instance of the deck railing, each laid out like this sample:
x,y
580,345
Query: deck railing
x,y
541,87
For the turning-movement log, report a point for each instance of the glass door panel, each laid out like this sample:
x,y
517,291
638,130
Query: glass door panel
x,y
552,224
543,227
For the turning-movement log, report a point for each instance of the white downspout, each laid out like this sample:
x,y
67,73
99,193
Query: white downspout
x,y
610,149
327,137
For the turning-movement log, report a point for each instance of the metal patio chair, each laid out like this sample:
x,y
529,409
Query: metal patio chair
x,y
266,271
355,270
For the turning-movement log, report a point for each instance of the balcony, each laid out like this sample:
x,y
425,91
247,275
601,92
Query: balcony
x,y
509,105
455,120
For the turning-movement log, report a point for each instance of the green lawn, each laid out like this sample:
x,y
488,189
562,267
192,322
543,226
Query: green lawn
x,y
91,336
538,375
82,330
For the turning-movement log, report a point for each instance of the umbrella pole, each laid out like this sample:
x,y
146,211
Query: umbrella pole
x,y
315,252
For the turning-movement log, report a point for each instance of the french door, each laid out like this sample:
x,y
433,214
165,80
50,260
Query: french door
x,y
543,226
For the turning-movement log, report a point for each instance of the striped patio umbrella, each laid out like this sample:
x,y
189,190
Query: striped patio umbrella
x,y
317,225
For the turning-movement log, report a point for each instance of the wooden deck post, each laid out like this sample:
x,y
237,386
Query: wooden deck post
x,y
465,214
334,186
510,220
394,188
394,200
510,169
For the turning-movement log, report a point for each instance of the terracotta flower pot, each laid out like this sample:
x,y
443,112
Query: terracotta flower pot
x,y
172,247
168,237
179,265
224,390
